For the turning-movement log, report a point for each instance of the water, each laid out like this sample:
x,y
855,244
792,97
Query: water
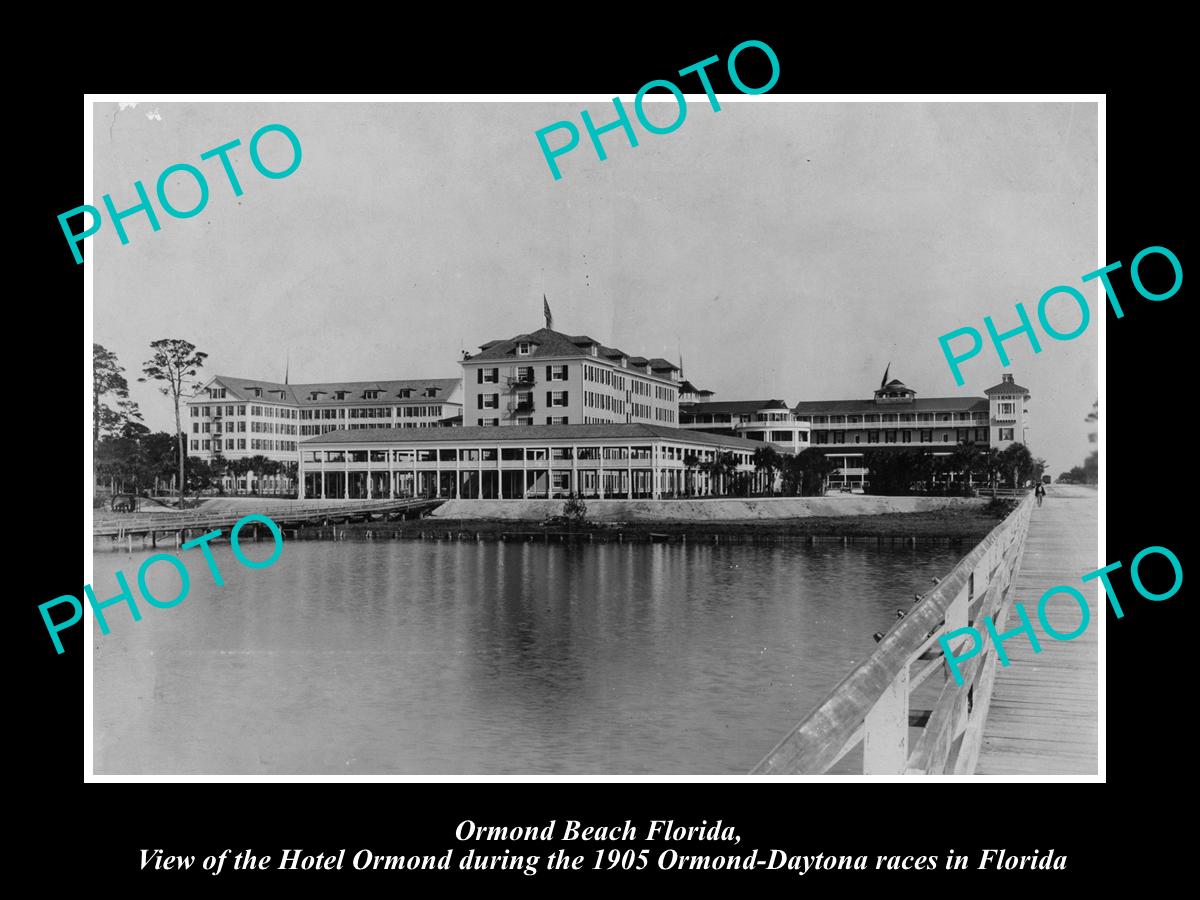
x,y
406,657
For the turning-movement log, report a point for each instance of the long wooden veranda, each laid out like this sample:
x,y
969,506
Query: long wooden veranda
x,y
1044,712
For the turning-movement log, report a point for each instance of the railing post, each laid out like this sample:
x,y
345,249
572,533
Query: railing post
x,y
885,731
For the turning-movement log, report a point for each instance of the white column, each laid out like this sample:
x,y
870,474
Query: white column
x,y
346,473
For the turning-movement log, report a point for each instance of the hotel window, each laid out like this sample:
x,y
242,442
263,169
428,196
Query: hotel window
x,y
488,376
1007,409
206,444
556,420
839,437
525,420
488,422
1006,434
241,444
523,348
241,410
195,428
488,401
556,373
431,392
945,437
890,436
981,434
907,437
556,398
370,395
468,455
560,453
873,437
926,436
195,445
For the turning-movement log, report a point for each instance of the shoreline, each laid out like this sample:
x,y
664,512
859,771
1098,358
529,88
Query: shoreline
x,y
961,526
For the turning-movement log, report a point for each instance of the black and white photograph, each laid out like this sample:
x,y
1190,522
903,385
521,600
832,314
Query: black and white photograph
x,y
690,436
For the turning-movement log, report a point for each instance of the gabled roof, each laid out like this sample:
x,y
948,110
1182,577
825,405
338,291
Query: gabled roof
x,y
549,344
298,394
527,433
686,387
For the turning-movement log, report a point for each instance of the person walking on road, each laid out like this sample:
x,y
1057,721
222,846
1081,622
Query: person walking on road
x,y
1039,492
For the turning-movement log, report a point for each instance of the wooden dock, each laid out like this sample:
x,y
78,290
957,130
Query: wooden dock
x,y
1044,711
287,516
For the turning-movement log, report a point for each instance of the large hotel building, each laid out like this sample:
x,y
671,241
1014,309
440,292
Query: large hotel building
x,y
547,414
894,417
238,418
549,378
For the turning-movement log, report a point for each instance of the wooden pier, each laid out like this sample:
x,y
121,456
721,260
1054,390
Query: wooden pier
x,y
179,526
901,712
1044,714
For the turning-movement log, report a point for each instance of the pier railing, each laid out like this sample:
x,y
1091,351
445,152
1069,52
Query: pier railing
x,y
874,705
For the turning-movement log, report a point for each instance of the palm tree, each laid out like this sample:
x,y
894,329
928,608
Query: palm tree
x,y
990,465
768,461
257,464
964,461
691,462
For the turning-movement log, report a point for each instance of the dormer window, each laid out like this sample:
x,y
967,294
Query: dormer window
x,y
624,362
340,395
255,392
595,350
405,393
431,392
313,395
216,393
523,348
370,395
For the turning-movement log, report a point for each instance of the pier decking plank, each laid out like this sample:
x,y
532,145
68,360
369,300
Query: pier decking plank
x,y
1043,717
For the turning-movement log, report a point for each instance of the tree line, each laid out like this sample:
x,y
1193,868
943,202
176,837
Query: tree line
x,y
128,456
893,471
1089,472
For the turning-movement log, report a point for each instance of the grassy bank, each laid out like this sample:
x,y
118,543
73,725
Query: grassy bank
x,y
955,525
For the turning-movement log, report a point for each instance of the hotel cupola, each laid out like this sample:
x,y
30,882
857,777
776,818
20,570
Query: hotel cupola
x,y
895,391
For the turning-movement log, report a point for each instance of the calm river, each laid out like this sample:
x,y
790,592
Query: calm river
x,y
462,658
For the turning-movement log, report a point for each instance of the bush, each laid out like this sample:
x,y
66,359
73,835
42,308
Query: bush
x,y
575,509
999,507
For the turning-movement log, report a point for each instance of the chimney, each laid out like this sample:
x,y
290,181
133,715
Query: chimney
x,y
1006,378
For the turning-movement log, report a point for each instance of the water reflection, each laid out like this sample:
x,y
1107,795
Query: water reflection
x,y
490,658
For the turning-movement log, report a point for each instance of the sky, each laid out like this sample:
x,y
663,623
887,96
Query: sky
x,y
787,250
